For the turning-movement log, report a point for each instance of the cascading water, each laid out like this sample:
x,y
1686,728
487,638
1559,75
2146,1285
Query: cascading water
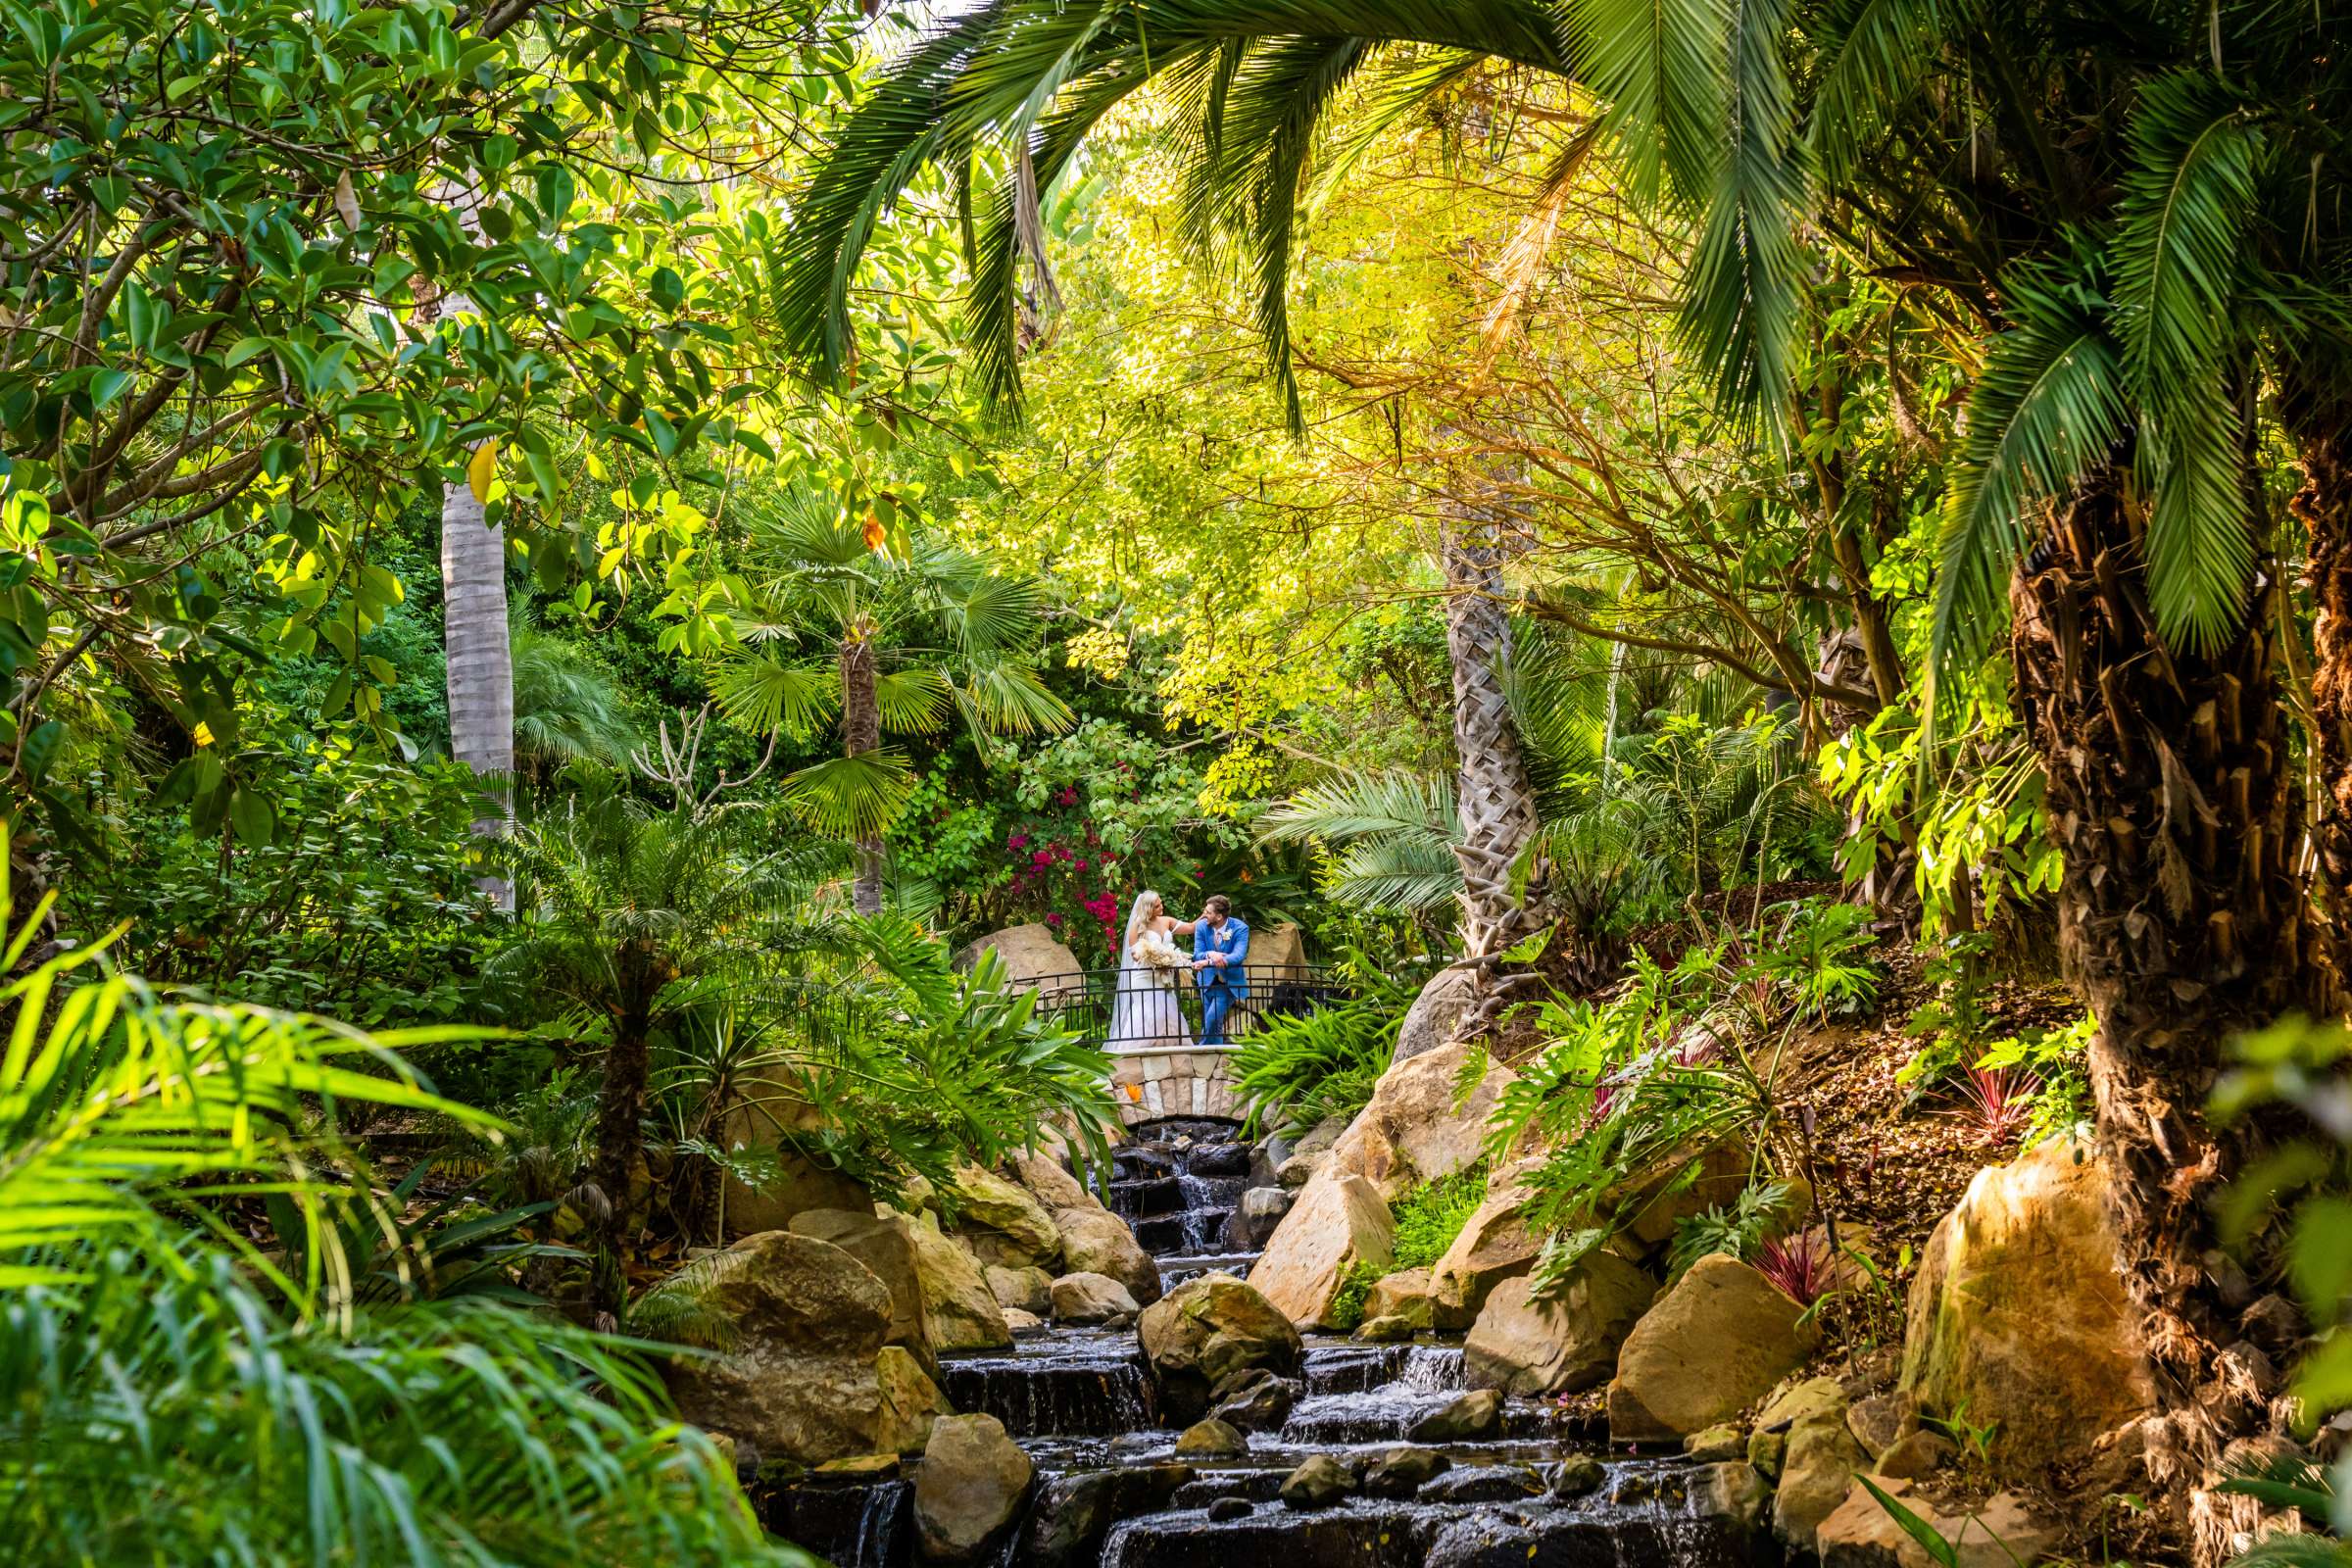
x,y
1111,1492
1176,1183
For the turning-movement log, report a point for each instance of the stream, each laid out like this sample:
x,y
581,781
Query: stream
x,y
1110,1494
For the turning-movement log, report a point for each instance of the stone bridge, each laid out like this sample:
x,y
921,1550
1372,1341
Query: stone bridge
x,y
1148,1085
1172,1075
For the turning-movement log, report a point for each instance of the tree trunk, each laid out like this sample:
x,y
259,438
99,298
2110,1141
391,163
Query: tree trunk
x,y
2181,923
619,1130
2319,418
861,734
477,652
480,663
1496,800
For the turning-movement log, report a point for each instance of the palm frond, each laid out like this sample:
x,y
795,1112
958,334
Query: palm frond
x,y
565,704
2181,249
1880,55
1405,875
912,702
2048,409
1247,179
1004,71
1660,67
1741,298
764,693
852,797
1366,805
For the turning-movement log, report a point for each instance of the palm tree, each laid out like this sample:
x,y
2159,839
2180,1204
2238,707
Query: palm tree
x,y
896,642
641,918
173,1392
2141,271
568,708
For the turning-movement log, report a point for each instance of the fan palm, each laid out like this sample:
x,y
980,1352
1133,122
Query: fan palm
x,y
638,917
171,1392
567,708
897,642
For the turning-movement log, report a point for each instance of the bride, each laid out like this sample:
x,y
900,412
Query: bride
x,y
1148,1014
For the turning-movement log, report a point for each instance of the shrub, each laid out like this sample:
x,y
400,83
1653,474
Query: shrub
x,y
1295,1071
1802,1266
1739,1232
1356,1288
1433,1215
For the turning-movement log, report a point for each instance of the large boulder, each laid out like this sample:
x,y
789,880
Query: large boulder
x,y
1999,1533
1254,1219
1050,1183
1493,1245
1415,1129
1430,1022
1210,1439
1277,957
1339,1221
1032,955
1469,1417
971,1486
2017,1314
1095,1240
1311,1152
883,1247
1005,1224
1074,1512
1817,1472
1404,1293
1565,1344
797,1186
911,1401
808,1321
1204,1332
1020,1289
960,1308
1320,1481
1714,1343
1649,1205
1091,1298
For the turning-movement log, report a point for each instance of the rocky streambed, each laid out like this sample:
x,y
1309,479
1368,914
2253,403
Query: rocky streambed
x,y
1209,1432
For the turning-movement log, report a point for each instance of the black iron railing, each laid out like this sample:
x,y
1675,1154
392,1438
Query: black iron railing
x,y
1168,1017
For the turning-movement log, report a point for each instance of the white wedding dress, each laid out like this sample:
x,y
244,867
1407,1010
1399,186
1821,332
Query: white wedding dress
x,y
1147,1013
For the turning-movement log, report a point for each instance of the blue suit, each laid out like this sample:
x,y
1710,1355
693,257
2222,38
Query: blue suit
x,y
1221,988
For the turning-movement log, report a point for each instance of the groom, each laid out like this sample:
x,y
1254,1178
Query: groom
x,y
1220,949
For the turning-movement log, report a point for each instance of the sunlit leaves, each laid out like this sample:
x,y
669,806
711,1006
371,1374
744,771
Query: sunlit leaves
x,y
2048,409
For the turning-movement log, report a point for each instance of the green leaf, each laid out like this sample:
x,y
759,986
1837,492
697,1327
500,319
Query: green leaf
x,y
2046,411
253,816
1930,1539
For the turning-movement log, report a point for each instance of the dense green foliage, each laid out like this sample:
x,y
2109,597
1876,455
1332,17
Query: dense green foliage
x,y
1595,473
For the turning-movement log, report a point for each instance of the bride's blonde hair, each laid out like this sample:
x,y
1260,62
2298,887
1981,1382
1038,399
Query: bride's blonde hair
x,y
1140,912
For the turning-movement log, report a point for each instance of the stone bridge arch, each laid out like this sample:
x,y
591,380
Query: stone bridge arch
x,y
1148,1085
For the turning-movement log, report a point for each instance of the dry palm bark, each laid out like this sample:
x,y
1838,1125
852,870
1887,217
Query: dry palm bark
x,y
2181,923
1494,799
2319,418
862,736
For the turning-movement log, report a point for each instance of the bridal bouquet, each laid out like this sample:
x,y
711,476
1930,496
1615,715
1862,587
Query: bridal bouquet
x,y
1155,952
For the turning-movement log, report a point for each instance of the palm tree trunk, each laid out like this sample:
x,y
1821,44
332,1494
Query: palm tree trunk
x,y
1495,800
479,658
480,663
2319,418
619,1132
861,733
2179,923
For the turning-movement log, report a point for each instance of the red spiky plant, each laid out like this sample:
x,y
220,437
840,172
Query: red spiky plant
x,y
1997,1104
1802,1266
